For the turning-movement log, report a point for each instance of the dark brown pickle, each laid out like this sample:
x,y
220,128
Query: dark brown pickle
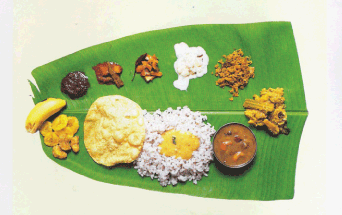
x,y
75,84
236,149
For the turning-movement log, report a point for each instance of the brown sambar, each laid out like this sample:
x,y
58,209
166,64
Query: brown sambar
x,y
234,145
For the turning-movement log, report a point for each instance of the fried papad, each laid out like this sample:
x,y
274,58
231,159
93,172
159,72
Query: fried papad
x,y
114,130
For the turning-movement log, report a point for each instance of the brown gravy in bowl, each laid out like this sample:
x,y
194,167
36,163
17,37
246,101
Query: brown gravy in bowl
x,y
234,145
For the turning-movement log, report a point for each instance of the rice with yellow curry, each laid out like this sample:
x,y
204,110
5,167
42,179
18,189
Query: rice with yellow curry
x,y
177,146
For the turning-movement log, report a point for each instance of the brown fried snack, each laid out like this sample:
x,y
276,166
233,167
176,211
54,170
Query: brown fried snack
x,y
58,152
108,73
147,66
64,142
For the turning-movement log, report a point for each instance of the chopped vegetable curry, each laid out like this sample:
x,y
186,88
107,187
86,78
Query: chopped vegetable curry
x,y
268,109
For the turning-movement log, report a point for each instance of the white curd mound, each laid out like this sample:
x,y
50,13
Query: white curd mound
x,y
191,63
171,170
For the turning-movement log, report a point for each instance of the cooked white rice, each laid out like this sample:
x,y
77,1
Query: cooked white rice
x,y
170,170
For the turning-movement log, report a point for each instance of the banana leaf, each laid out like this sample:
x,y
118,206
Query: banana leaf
x,y
270,45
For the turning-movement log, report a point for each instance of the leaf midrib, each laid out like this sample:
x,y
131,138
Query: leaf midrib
x,y
232,112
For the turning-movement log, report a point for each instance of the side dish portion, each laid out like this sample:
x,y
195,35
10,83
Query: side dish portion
x,y
147,66
234,72
59,134
191,63
108,73
268,109
234,145
75,84
114,130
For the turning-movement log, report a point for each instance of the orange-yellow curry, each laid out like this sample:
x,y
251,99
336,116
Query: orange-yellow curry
x,y
179,144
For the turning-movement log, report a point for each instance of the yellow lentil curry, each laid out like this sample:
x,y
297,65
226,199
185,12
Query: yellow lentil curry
x,y
179,144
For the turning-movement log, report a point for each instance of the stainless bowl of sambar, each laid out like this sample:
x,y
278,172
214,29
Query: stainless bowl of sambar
x,y
234,145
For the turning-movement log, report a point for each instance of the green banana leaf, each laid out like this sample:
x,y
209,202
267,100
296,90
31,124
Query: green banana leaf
x,y
272,48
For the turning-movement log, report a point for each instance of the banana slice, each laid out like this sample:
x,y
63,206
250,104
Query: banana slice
x,y
51,139
46,128
60,122
65,131
73,124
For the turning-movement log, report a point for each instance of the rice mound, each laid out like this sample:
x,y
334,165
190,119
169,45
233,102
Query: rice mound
x,y
170,170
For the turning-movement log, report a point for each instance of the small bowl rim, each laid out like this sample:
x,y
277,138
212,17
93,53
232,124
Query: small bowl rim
x,y
243,164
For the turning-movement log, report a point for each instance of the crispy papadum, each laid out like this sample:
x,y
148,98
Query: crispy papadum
x,y
114,130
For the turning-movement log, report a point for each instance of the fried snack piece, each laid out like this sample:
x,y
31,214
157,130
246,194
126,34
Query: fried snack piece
x,y
46,128
73,124
116,78
147,66
51,139
74,143
64,142
63,138
58,153
234,72
71,127
268,109
114,130
60,122
65,131
108,73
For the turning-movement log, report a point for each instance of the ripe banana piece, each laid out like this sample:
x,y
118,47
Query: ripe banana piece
x,y
41,112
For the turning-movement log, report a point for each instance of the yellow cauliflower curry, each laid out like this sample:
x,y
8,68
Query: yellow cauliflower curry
x,y
179,144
